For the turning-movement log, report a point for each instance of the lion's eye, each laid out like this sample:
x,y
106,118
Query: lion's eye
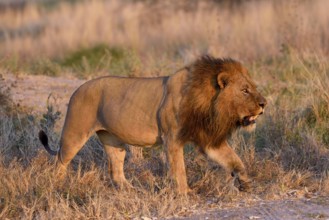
x,y
245,91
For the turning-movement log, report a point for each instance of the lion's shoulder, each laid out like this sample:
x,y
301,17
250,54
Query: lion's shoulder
x,y
176,81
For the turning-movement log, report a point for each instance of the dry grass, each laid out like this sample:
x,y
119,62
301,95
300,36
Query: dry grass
x,y
287,156
183,30
282,43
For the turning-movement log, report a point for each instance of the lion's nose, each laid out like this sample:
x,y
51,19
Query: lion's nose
x,y
262,102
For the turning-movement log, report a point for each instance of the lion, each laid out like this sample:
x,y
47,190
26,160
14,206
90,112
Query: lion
x,y
202,103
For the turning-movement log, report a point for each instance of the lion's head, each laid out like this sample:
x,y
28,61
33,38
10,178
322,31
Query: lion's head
x,y
218,97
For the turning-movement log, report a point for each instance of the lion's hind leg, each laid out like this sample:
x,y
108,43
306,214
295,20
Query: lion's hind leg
x,y
236,172
116,156
71,144
79,126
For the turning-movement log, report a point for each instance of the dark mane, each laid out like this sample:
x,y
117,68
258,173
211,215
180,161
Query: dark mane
x,y
199,120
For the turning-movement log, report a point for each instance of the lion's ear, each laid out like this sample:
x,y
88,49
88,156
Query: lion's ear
x,y
222,80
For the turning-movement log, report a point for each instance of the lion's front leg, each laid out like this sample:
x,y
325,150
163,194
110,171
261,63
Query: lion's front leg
x,y
236,171
175,158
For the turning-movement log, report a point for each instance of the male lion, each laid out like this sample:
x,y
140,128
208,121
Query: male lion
x,y
201,103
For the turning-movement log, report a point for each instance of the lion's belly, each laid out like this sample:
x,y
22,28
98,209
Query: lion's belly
x,y
141,138
134,131
119,139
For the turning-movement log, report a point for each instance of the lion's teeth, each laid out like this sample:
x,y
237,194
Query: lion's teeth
x,y
252,118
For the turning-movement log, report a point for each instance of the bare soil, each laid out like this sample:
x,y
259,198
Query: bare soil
x,y
314,208
33,92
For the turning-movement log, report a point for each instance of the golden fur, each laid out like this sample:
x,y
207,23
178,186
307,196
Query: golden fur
x,y
201,103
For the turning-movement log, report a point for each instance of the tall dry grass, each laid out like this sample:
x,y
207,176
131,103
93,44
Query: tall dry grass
x,y
167,29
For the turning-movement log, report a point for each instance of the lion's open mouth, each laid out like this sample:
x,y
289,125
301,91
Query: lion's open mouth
x,y
249,120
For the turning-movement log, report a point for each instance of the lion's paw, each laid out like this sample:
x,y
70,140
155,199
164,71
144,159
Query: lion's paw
x,y
243,185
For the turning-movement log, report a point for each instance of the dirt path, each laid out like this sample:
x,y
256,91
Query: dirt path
x,y
33,92
316,208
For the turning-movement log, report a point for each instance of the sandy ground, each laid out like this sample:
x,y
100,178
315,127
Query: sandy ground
x,y
33,92
315,208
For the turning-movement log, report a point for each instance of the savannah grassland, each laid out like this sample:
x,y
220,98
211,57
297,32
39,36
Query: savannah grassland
x,y
284,44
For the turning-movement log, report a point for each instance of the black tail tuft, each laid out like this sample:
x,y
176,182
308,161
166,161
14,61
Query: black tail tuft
x,y
44,140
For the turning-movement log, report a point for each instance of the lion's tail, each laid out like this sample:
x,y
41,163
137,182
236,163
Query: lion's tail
x,y
44,140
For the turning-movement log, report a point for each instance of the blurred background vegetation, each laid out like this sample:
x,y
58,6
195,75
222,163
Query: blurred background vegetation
x,y
119,37
284,44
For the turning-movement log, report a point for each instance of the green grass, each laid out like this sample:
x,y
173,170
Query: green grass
x,y
54,4
100,58
83,63
45,67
